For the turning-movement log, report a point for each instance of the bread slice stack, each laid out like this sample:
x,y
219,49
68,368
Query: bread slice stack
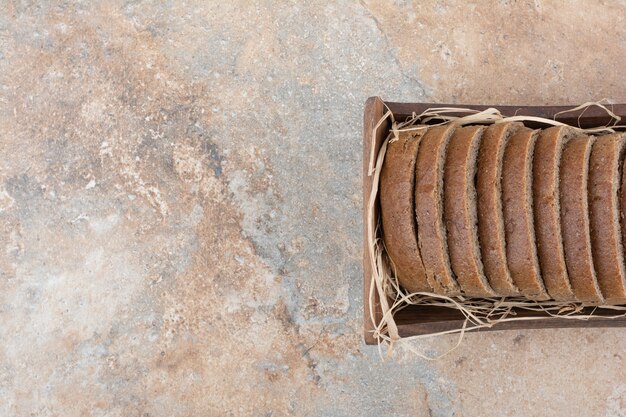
x,y
507,211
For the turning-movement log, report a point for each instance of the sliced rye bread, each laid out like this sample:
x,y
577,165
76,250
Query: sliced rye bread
x,y
460,211
547,210
490,219
517,204
397,203
575,219
431,229
605,165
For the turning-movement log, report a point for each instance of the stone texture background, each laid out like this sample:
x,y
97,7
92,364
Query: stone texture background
x,y
180,204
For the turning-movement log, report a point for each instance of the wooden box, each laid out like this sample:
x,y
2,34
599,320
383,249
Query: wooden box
x,y
416,320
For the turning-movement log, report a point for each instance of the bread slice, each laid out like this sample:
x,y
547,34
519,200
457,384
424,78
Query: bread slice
x,y
490,219
397,203
605,164
431,229
517,202
547,211
575,219
460,211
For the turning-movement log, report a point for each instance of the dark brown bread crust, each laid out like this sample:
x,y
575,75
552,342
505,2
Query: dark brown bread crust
x,y
521,252
460,212
547,210
622,203
605,165
431,229
490,218
397,197
575,219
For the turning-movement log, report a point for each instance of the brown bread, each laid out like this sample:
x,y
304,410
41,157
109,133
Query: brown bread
x,y
517,201
431,229
490,219
547,210
460,212
397,198
575,219
605,164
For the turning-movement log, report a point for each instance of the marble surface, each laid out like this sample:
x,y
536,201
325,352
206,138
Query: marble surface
x,y
180,204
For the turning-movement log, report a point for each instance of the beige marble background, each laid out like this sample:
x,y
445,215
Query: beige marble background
x,y
180,204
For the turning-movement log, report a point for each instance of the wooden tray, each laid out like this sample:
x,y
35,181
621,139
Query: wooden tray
x,y
415,320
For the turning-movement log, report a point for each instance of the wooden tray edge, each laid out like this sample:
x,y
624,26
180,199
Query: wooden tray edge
x,y
374,111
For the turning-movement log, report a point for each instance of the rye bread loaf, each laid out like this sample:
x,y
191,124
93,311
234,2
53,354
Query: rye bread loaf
x,y
517,202
460,212
605,165
575,219
397,204
431,229
490,219
547,211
